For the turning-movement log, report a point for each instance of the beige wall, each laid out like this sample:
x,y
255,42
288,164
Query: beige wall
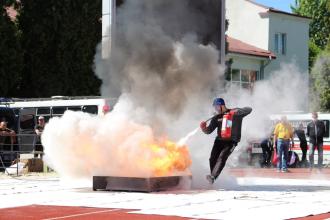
x,y
297,32
254,25
248,23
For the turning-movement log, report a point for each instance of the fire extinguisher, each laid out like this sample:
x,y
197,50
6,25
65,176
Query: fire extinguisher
x,y
226,127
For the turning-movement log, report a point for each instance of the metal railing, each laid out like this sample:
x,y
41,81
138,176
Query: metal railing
x,y
13,146
14,160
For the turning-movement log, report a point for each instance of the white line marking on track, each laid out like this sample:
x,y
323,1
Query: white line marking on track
x,y
82,214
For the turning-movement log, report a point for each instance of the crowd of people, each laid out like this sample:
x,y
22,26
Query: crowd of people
x,y
282,139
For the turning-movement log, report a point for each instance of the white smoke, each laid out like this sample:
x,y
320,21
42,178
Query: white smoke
x,y
165,79
83,145
285,92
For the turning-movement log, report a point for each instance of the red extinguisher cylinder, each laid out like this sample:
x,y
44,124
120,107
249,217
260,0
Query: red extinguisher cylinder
x,y
226,128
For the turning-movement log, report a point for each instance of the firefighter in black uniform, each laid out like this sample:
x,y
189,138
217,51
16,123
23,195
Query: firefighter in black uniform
x,y
223,147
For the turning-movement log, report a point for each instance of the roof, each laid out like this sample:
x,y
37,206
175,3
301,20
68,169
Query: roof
x,y
237,46
273,10
287,13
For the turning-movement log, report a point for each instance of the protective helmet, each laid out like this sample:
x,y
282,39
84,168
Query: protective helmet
x,y
218,101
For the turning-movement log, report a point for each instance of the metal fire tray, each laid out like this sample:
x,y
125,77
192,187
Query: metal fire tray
x,y
137,184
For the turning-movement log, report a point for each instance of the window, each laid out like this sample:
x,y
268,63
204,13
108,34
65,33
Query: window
x,y
75,108
43,111
295,124
27,122
92,109
58,110
243,78
280,43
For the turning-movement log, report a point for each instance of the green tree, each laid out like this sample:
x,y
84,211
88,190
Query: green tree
x,y
321,82
314,51
319,12
11,58
80,33
59,38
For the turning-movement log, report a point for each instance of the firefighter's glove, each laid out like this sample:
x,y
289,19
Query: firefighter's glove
x,y
203,125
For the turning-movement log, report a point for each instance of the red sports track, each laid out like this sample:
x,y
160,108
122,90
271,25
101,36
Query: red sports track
x,y
65,212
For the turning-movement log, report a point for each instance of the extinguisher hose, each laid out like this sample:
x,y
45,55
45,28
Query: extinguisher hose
x,y
212,117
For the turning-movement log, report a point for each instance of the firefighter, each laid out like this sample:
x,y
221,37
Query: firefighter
x,y
228,123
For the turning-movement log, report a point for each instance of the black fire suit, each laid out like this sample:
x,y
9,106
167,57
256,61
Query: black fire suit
x,y
223,148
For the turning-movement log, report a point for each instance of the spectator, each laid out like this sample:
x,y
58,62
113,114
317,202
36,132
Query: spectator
x,y
273,142
300,132
5,132
315,132
282,134
39,149
265,145
223,146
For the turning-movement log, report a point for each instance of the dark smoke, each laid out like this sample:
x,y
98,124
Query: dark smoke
x,y
164,53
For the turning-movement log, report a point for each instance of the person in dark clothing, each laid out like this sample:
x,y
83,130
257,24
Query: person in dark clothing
x,y
223,146
39,129
300,132
7,136
315,132
266,152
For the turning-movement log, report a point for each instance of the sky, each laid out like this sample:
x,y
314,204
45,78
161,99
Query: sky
x,y
283,5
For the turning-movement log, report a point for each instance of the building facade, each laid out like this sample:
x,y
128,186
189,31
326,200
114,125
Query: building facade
x,y
259,39
246,63
284,34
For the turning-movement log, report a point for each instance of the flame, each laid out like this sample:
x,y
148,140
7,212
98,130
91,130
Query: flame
x,y
111,146
167,157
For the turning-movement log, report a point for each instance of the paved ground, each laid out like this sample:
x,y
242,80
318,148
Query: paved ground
x,y
244,193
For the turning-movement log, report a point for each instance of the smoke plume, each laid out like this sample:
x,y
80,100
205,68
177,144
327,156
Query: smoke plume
x,y
164,69
158,55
